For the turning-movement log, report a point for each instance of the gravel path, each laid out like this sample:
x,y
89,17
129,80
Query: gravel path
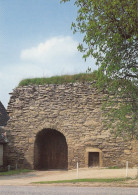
x,y
27,178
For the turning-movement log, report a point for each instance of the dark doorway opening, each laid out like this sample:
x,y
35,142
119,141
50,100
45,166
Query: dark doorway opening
x,y
50,150
93,159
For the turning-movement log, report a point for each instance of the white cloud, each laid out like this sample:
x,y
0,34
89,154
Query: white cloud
x,y
51,50
55,56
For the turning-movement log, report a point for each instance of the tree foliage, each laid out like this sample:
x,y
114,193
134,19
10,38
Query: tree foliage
x,y
109,29
121,108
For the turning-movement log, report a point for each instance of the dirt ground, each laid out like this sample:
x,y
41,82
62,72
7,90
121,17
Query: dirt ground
x,y
35,176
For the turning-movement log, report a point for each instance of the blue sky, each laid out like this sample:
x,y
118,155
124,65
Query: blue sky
x,y
36,40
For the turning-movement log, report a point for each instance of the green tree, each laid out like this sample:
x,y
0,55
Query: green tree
x,y
109,29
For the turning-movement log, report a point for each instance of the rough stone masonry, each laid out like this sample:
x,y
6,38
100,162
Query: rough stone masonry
x,y
55,126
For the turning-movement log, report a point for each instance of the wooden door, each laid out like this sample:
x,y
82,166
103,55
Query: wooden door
x,y
93,159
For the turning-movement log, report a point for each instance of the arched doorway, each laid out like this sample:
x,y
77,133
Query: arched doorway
x,y
50,150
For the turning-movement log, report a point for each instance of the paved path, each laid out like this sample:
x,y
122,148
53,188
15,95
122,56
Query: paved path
x,y
56,190
27,178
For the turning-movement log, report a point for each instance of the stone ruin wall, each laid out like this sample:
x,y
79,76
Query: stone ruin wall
x,y
72,109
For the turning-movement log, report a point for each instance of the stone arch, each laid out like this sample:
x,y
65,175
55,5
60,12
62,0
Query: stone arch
x,y
50,150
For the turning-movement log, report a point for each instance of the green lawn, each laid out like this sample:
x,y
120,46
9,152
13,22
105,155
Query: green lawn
x,y
14,172
114,167
84,180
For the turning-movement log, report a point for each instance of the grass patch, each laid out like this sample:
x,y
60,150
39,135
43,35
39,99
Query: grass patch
x,y
84,180
114,167
82,77
15,172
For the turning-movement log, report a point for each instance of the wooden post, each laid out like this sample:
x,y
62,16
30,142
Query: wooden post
x,y
9,167
126,168
77,170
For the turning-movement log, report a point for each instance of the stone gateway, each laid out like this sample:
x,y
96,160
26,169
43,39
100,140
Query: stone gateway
x,y
55,126
50,150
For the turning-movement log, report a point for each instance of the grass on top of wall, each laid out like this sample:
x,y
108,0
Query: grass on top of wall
x,y
82,77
